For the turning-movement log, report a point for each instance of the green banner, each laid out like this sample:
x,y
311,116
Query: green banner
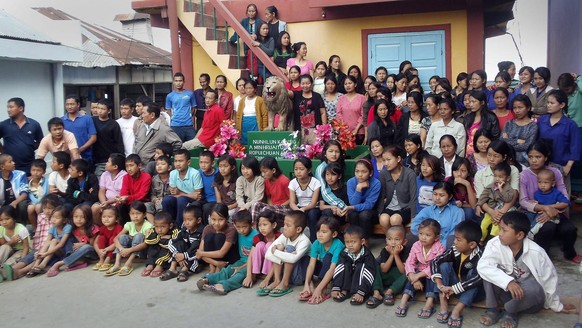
x,y
266,143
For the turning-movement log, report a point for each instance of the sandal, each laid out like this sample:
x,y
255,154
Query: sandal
x,y
105,266
146,272
425,314
341,297
509,319
577,259
401,311
443,317
373,302
455,322
492,316
53,273
354,302
97,266
168,275
156,273
125,271
183,276
264,291
200,283
389,299
304,296
38,270
111,272
278,292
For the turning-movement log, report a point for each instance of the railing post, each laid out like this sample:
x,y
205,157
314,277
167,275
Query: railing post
x,y
214,21
202,11
238,53
226,30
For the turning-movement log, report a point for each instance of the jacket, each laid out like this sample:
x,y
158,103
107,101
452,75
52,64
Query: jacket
x,y
260,112
538,105
145,145
89,192
453,256
19,184
493,196
356,276
496,265
405,190
489,122
402,127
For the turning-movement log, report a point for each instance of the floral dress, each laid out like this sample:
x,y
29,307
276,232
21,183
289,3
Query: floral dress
x,y
307,114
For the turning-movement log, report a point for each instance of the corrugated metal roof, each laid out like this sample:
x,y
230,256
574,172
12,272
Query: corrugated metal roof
x,y
12,28
104,47
132,16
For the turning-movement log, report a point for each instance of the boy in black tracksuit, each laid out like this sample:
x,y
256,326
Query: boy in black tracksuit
x,y
354,273
185,245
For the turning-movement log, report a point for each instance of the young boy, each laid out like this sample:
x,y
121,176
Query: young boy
x,y
126,122
162,149
59,176
231,277
185,245
207,172
390,278
288,254
160,186
495,200
14,187
109,139
547,194
38,186
59,139
185,186
159,256
354,273
139,104
82,187
518,273
109,185
134,187
455,273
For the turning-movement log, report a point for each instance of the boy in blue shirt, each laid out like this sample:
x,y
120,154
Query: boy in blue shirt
x,y
81,126
231,277
207,172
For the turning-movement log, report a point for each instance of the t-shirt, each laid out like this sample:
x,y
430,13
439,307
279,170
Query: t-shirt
x,y
56,180
112,186
126,126
227,193
9,196
19,230
278,190
307,110
181,104
304,196
245,243
104,232
67,229
207,182
211,125
303,69
424,188
130,228
230,232
82,238
47,144
83,128
191,181
318,251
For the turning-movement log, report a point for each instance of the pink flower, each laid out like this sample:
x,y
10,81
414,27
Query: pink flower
x,y
218,149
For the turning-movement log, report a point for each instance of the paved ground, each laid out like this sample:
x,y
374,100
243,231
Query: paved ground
x,y
85,298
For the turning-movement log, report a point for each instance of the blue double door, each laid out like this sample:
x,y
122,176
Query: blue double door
x,y
426,51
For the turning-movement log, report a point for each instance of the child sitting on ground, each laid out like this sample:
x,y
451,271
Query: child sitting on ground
x,y
218,246
185,245
160,187
455,273
288,254
256,263
110,184
517,272
105,244
324,257
157,239
130,242
231,277
14,186
495,200
390,278
14,237
83,186
548,194
418,271
38,186
354,273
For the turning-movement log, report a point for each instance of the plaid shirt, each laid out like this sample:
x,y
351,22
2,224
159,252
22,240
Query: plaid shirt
x,y
43,225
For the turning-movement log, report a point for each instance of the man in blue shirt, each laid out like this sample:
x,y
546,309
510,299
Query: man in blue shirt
x,y
21,135
81,126
182,105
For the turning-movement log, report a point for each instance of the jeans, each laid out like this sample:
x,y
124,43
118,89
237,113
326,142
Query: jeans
x,y
185,132
532,302
175,206
313,215
85,251
429,287
449,277
364,219
127,242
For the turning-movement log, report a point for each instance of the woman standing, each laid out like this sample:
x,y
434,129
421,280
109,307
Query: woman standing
x,y
409,122
432,107
225,100
331,97
350,109
526,74
267,44
399,95
308,109
240,86
335,68
250,23
276,26
355,71
521,132
305,65
252,112
480,117
283,51
539,95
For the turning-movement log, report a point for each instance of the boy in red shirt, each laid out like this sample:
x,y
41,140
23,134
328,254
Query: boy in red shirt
x,y
135,186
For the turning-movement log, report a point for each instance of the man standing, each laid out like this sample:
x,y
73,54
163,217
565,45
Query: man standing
x,y
21,135
152,133
81,126
182,105
200,95
211,124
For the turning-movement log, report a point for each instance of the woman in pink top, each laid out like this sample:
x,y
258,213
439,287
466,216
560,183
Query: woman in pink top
x,y
350,109
300,50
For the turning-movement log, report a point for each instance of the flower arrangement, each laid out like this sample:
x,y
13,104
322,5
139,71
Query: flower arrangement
x,y
337,130
228,140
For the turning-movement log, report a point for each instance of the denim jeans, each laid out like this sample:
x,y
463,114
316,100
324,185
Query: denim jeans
x,y
127,242
449,277
429,288
185,132
85,251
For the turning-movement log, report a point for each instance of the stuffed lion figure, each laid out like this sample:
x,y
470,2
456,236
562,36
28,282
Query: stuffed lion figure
x,y
277,101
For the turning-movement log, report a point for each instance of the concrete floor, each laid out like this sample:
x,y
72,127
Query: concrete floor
x,y
85,298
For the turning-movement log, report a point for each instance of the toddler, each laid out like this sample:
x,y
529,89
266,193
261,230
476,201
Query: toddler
x,y
105,244
157,239
547,194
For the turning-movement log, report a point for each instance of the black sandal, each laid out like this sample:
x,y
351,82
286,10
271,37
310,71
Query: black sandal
x,y
341,297
183,276
168,275
373,302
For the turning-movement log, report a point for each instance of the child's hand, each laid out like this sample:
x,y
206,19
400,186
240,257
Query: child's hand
x,y
362,185
569,308
124,252
459,203
397,249
103,252
173,191
418,285
15,240
179,257
77,245
516,291
280,247
446,290
53,190
389,249
342,213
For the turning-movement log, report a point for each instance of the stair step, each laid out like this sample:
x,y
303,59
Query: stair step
x,y
220,34
232,62
225,48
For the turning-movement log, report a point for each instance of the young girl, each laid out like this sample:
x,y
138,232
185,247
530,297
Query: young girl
x,y
319,77
218,239
276,190
481,142
479,117
250,186
332,153
399,95
539,94
256,265
265,43
58,242
324,256
501,99
14,237
417,268
390,82
225,183
130,242
448,148
376,151
105,244
333,178
294,74
413,147
84,233
350,109
304,193
431,172
331,97
363,193
464,190
526,74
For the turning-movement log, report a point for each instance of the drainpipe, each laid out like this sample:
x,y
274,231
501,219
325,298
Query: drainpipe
x,y
174,35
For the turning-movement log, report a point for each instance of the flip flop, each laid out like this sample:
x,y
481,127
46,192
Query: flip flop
x,y
146,272
373,302
112,272
125,271
455,322
324,298
156,274
168,275
388,299
304,296
200,284
278,292
38,270
342,297
53,273
264,291
183,276
443,317
105,266
492,315
77,266
97,266
425,314
8,271
401,311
